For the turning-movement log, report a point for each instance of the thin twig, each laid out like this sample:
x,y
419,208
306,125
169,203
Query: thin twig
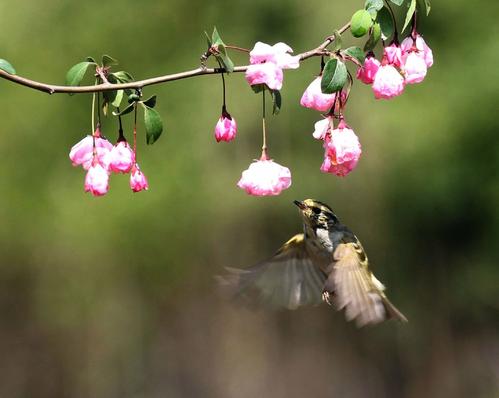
x,y
201,71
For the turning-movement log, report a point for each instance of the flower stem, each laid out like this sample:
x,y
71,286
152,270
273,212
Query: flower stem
x,y
223,84
135,133
244,50
264,132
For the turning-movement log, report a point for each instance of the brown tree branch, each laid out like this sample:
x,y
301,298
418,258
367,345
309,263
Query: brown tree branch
x,y
53,89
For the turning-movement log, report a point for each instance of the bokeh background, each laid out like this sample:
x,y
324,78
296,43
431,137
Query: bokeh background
x,y
115,296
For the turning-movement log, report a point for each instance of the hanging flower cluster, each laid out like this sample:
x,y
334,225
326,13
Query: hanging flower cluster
x,y
401,64
328,93
341,145
100,158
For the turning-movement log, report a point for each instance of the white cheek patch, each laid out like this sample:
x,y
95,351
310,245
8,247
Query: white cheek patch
x,y
324,238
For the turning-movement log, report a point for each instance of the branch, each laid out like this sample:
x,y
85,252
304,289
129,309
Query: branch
x,y
53,89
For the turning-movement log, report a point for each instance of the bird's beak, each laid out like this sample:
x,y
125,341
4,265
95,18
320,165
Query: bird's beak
x,y
301,205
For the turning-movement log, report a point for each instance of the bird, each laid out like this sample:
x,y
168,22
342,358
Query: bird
x,y
325,263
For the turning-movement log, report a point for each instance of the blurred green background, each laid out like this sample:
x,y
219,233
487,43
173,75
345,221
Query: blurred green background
x,y
115,296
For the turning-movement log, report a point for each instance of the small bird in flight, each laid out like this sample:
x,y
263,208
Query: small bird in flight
x,y
324,263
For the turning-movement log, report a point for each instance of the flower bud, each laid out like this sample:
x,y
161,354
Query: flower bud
x,y
388,82
226,127
368,71
138,180
264,178
314,98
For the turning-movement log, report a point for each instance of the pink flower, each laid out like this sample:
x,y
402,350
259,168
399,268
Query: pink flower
x,y
393,54
265,177
121,158
97,179
314,98
138,180
388,82
267,63
321,128
368,71
226,127
414,68
82,152
278,54
267,73
409,44
342,151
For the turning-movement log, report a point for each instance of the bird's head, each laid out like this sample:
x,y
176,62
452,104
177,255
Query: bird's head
x,y
316,214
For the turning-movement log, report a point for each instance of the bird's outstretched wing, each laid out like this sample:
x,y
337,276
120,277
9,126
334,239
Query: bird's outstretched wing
x,y
352,286
287,280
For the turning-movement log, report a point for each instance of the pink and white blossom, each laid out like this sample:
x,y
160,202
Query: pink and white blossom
x,y
314,98
97,179
342,151
279,54
414,68
393,55
368,71
267,63
267,73
121,158
264,177
419,44
321,128
82,152
388,82
138,180
226,127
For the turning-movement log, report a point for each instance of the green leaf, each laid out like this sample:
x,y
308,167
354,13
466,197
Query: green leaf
x,y
7,67
118,98
76,73
360,23
374,4
122,76
410,13
224,59
386,23
334,76
355,52
90,59
108,61
427,5
215,38
153,123
397,2
373,38
276,101
128,109
208,39
150,102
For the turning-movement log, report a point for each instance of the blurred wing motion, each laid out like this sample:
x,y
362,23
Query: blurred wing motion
x,y
287,280
352,286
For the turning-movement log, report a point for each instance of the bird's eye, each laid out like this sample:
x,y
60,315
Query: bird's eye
x,y
316,210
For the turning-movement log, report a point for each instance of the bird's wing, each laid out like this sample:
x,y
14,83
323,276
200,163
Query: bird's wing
x,y
352,286
287,280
